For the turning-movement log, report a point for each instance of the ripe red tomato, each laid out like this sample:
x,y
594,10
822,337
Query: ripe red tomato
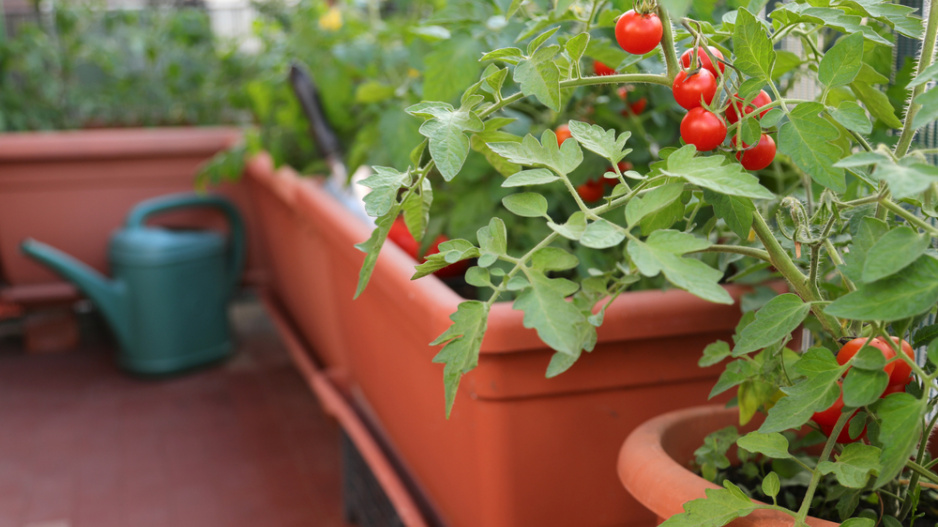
x,y
703,129
736,102
848,350
636,108
704,60
759,156
563,133
690,90
601,69
902,374
638,33
591,191
826,419
893,388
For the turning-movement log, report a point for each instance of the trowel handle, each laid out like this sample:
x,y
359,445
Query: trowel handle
x,y
187,200
308,94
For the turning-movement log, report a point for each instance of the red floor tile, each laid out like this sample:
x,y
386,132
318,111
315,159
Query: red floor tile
x,y
242,443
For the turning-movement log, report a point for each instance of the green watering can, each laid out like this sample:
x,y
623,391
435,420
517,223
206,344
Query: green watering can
x,y
167,303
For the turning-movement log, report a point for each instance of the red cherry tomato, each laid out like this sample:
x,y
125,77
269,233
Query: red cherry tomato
x,y
826,419
636,108
893,388
902,374
601,69
622,92
690,90
851,348
638,33
704,60
563,133
703,129
759,156
591,191
736,102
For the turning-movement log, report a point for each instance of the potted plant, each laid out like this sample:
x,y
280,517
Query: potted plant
x,y
838,215
75,95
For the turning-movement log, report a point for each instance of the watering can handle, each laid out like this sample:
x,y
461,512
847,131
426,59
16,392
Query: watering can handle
x,y
139,214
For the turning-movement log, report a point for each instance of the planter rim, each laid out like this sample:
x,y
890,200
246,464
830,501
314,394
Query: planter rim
x,y
115,143
645,466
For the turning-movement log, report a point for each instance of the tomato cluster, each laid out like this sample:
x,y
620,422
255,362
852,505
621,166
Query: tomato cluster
x,y
400,235
899,372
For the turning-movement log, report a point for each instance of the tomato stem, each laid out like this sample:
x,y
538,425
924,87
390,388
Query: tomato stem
x,y
667,45
816,474
926,57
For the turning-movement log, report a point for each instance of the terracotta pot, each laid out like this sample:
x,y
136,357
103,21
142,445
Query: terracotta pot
x,y
72,189
653,464
519,449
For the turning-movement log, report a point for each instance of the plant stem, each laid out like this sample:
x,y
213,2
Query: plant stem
x,y
909,217
922,471
737,249
667,44
925,59
816,475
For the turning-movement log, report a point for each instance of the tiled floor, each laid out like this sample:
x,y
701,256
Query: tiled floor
x,y
241,444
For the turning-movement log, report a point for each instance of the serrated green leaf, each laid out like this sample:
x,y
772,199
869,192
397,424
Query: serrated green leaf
x,y
510,55
602,234
603,142
907,178
372,246
657,255
537,176
559,323
807,139
735,373
775,321
451,252
539,76
877,103
417,210
899,432
526,204
478,277
576,46
735,211
900,17
841,64
384,183
895,251
929,110
451,67
714,353
854,466
868,231
863,387
493,242
827,16
720,507
654,200
755,54
560,362
815,392
573,229
463,340
710,173
446,128
905,295
929,74
773,445
852,117
553,259
536,42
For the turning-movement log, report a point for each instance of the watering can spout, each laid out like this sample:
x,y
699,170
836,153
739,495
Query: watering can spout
x,y
106,294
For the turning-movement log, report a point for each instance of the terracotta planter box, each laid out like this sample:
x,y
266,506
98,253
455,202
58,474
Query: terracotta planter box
x,y
519,449
654,459
72,189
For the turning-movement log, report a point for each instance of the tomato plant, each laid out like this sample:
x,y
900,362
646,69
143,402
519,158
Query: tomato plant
x,y
601,69
851,348
759,155
691,91
703,60
736,104
703,129
638,33
591,191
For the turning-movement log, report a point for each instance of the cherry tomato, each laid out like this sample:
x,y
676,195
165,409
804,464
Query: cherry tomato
x,y
563,133
848,350
759,156
601,69
826,419
591,191
622,92
704,60
703,129
690,90
893,388
902,374
636,108
736,102
638,33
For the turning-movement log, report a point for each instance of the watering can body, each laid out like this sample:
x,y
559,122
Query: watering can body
x,y
167,302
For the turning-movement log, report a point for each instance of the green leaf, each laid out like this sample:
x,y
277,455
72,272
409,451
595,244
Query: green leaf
x,y
372,246
853,466
526,204
714,353
735,373
899,432
841,64
827,16
546,153
895,251
603,142
445,129
852,117
509,55
558,322
602,234
450,68
755,54
771,485
560,362
863,387
417,210
710,173
905,295
384,183
451,252
929,74
576,46
906,179
720,507
932,351
929,110
868,358
815,392
807,139
553,259
539,76
656,199
773,445
861,159
877,103
775,321
537,176
736,212
373,92
493,242
573,229
661,254
536,42
463,340
868,231
479,143
858,522
900,17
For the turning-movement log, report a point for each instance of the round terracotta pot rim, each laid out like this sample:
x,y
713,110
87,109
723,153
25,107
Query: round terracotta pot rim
x,y
645,467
